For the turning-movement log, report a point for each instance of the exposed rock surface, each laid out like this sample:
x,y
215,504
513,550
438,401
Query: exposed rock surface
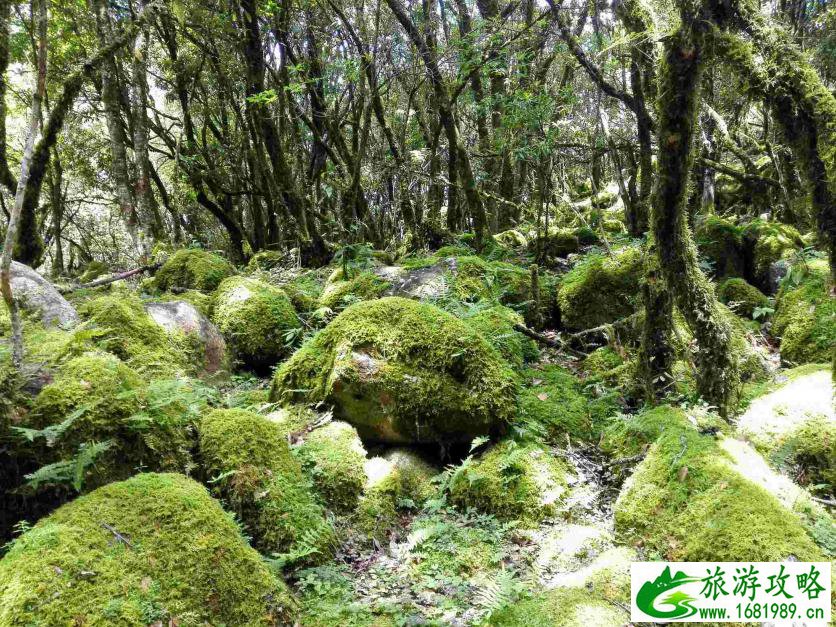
x,y
184,317
37,294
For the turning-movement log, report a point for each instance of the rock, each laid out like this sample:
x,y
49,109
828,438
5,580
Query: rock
x,y
192,268
153,549
741,297
262,481
36,294
340,292
496,324
255,317
402,371
721,242
600,289
805,315
766,243
512,481
777,271
182,317
420,283
687,502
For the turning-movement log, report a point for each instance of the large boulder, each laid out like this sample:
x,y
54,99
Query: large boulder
x,y
402,371
192,269
255,318
805,315
36,294
178,316
600,289
155,549
247,458
766,245
721,243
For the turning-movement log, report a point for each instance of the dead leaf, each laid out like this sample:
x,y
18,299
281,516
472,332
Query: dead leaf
x,y
543,396
536,382
145,584
683,472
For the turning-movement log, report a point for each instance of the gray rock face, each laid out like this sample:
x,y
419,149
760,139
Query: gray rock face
x,y
777,271
36,294
181,316
420,283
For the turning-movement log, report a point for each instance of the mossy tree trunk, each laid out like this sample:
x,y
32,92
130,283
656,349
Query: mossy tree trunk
x,y
656,356
777,72
679,80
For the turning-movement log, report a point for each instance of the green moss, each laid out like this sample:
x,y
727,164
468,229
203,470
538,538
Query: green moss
x,y
339,293
402,371
93,271
721,242
96,398
741,297
200,301
600,289
586,236
511,481
249,461
685,502
567,607
304,291
266,260
397,481
255,318
333,457
552,405
153,549
474,278
811,448
556,243
805,315
768,242
511,238
604,199
496,324
453,251
120,325
192,268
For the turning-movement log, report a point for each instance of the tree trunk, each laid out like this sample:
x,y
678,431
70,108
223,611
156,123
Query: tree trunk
x,y
680,74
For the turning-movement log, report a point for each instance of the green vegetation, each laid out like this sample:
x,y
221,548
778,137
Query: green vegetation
x,y
566,607
248,461
402,371
155,548
496,324
742,298
340,292
512,482
769,242
333,457
805,315
193,269
257,319
600,290
721,243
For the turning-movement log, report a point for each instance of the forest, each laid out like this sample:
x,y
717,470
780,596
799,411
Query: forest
x,y
410,312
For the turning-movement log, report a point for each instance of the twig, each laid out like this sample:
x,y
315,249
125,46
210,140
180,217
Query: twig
x,y
119,537
830,502
113,278
543,339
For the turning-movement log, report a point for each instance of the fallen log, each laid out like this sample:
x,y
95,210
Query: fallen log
x,y
112,278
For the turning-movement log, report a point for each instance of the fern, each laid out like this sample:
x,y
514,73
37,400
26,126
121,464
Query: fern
x,y
69,472
499,592
52,433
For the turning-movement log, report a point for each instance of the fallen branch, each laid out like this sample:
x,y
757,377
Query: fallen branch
x,y
112,279
552,342
829,502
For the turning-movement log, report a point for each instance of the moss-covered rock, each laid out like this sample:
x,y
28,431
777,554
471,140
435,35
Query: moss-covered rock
x,y
154,549
398,480
333,457
304,291
255,318
586,236
552,406
100,421
793,425
600,289
496,324
686,502
248,460
192,268
766,243
402,371
741,297
555,243
511,238
567,607
93,271
121,325
805,315
511,481
472,278
604,199
266,260
37,296
721,242
340,292
185,321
